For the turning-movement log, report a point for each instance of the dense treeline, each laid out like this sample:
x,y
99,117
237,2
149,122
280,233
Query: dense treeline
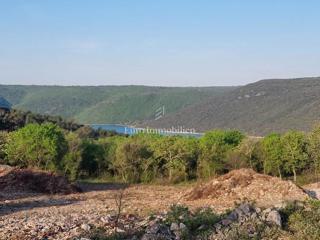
x,y
16,119
149,158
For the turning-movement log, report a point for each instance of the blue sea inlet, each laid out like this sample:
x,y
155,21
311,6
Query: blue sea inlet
x,y
130,130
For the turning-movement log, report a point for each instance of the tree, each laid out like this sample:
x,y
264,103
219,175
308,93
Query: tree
x,y
130,156
294,152
246,155
72,160
35,145
92,158
177,156
214,146
273,154
314,148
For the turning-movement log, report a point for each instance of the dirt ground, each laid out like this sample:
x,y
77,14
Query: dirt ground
x,y
30,215
63,215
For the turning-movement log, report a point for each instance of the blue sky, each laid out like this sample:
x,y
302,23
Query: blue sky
x,y
167,42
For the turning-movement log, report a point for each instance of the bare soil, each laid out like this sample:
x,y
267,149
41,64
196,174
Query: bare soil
x,y
16,181
35,216
246,184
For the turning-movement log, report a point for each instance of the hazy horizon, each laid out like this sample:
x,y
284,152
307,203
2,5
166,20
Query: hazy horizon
x,y
168,43
164,86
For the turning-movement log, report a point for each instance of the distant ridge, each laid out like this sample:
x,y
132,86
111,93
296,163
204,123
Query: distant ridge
x,y
105,104
258,108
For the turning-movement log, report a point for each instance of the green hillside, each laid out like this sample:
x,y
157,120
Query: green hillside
x,y
105,104
258,108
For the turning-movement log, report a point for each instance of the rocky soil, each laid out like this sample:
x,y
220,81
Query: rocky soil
x,y
34,215
244,220
246,184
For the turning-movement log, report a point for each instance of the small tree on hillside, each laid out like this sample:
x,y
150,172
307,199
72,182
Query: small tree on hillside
x,y
178,155
130,157
214,146
314,148
72,160
294,152
273,154
245,155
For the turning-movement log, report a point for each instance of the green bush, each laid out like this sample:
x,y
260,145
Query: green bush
x,y
131,156
214,146
176,157
3,141
246,155
72,160
42,146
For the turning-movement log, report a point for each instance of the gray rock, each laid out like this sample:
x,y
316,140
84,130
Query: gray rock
x,y
226,222
174,227
105,219
254,215
158,232
217,226
85,227
182,226
119,230
258,210
233,216
274,217
245,208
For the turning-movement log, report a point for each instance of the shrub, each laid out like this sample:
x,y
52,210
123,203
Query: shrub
x,y
3,141
304,223
130,158
92,159
72,160
35,145
176,157
203,217
214,146
246,155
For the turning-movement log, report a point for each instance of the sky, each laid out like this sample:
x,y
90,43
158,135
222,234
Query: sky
x,y
162,43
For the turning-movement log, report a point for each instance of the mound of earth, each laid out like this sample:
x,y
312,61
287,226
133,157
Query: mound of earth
x,y
246,184
17,180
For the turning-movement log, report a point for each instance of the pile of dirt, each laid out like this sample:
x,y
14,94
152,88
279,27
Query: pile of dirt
x,y
33,181
246,184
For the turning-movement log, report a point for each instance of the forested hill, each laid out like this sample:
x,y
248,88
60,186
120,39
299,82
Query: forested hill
x,y
258,108
105,104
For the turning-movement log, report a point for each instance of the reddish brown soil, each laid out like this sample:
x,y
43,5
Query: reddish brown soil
x,y
15,180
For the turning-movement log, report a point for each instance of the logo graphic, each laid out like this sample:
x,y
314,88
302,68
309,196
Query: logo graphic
x,y
159,113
